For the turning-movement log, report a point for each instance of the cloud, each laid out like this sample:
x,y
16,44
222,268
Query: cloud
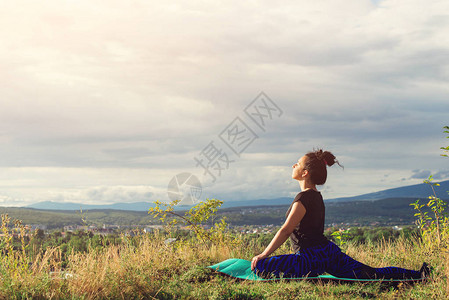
x,y
6,200
90,195
424,174
420,174
124,194
141,88
441,175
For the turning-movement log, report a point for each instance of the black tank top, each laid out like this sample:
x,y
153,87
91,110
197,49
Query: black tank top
x,y
309,231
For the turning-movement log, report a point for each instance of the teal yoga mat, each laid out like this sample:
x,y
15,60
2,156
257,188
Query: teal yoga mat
x,y
241,269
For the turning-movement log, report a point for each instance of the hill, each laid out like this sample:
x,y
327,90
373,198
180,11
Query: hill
x,y
411,191
367,209
390,211
420,190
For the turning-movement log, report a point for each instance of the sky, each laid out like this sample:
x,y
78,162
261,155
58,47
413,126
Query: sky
x,y
110,101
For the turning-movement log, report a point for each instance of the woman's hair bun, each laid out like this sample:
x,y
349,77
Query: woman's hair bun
x,y
316,163
326,157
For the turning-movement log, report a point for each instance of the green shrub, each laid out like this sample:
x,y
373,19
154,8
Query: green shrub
x,y
434,226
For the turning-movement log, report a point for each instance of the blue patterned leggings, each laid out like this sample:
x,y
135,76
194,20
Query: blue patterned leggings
x,y
328,258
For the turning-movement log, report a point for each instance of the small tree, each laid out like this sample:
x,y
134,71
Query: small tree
x,y
434,228
341,236
194,219
445,149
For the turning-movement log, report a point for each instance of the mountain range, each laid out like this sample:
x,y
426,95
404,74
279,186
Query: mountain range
x,y
418,191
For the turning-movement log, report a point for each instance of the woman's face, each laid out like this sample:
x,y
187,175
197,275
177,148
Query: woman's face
x,y
298,168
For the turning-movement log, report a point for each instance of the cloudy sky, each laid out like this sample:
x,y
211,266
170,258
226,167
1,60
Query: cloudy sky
x,y
107,101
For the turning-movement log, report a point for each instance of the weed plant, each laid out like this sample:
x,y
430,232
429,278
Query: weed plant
x,y
147,267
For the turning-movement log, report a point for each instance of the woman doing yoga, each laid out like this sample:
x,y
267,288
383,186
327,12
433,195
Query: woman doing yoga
x,y
314,254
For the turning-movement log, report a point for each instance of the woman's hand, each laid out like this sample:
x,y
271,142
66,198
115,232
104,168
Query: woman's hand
x,y
256,259
294,218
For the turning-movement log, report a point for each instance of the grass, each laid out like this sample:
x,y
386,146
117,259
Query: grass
x,y
147,268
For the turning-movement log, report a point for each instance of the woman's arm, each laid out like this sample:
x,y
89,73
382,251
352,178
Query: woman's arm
x,y
294,218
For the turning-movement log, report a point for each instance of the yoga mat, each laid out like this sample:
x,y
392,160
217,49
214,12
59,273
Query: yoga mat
x,y
241,269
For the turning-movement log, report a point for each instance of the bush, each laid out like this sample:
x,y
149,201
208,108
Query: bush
x,y
434,226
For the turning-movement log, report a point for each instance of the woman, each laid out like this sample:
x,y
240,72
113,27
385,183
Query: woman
x,y
314,253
